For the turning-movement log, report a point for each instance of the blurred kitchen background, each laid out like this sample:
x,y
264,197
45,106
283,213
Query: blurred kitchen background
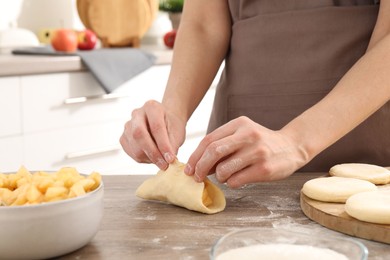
x,y
53,111
38,16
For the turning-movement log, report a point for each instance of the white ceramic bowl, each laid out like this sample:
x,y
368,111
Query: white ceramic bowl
x,y
256,243
50,229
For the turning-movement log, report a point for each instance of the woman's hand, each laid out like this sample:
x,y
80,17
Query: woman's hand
x,y
153,135
242,152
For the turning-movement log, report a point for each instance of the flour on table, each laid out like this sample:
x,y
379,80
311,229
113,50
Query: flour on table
x,y
281,252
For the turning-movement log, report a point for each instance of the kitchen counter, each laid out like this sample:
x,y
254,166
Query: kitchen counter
x,y
14,65
133,228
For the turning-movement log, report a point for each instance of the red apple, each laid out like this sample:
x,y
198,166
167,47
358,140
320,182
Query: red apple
x,y
64,40
169,38
86,40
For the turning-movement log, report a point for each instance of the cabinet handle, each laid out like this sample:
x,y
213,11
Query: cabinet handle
x,y
75,155
77,100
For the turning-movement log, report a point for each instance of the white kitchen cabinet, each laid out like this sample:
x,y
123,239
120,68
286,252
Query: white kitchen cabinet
x,y
66,99
93,147
10,112
11,153
66,119
69,121
48,102
11,142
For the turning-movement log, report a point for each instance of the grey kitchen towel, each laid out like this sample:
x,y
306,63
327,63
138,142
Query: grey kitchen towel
x,y
111,66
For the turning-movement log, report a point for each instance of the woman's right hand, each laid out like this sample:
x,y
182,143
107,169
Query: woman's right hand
x,y
153,135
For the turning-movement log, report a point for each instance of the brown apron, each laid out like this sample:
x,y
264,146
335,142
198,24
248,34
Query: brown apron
x,y
286,55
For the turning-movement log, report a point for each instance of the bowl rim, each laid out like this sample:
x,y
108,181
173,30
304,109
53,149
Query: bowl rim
x,y
362,247
52,203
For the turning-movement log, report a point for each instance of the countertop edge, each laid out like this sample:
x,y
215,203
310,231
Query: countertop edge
x,y
20,65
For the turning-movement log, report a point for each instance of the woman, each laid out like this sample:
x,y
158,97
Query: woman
x,y
306,85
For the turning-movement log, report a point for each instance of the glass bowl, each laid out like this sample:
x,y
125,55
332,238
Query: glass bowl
x,y
272,243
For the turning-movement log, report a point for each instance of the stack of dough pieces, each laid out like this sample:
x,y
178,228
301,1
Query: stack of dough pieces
x,y
175,187
355,184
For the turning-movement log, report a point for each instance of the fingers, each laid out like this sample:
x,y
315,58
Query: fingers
x,y
243,152
213,149
146,137
251,174
139,144
259,172
159,133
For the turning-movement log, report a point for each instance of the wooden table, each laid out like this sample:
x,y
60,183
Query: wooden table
x,y
137,229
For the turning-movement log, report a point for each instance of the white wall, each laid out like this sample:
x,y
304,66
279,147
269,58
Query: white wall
x,y
39,14
36,15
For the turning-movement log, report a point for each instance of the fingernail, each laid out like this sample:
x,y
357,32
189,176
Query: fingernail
x,y
187,169
161,164
168,157
197,178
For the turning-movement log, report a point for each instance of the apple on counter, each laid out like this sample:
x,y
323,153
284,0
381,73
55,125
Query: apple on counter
x,y
68,40
86,40
169,38
65,40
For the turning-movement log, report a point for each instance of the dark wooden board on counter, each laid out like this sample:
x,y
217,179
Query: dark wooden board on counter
x,y
333,216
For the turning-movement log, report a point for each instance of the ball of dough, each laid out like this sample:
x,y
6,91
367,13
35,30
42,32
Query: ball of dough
x,y
372,173
373,206
335,189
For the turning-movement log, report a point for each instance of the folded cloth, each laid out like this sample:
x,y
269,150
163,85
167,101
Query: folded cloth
x,y
111,66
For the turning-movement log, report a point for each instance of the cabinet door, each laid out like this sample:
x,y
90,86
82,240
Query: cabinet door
x,y
10,106
147,85
61,100
89,148
68,99
11,153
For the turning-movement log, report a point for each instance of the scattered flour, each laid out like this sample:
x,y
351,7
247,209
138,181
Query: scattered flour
x,y
149,218
281,251
272,215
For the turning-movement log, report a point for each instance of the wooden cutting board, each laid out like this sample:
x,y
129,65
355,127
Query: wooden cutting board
x,y
118,23
82,9
333,216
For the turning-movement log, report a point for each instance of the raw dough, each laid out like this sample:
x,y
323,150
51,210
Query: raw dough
x,y
371,206
335,189
368,172
175,187
281,251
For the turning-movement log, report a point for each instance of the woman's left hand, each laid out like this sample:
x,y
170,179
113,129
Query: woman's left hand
x,y
242,152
